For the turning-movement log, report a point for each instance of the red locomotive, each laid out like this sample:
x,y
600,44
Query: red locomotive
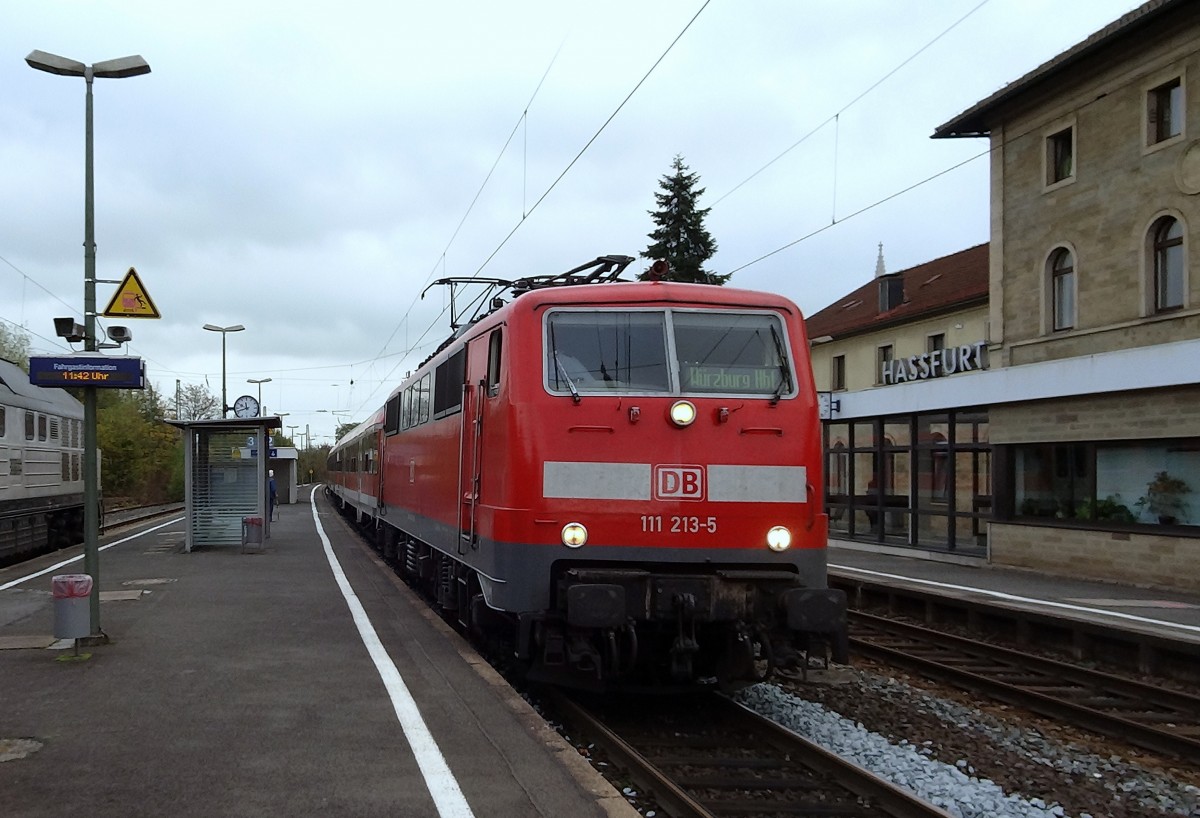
x,y
623,477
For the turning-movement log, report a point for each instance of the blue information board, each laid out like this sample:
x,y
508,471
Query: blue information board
x,y
110,371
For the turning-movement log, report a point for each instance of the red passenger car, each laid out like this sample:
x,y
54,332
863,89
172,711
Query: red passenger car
x,y
624,477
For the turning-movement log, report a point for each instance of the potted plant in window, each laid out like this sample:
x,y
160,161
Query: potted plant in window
x,y
1164,497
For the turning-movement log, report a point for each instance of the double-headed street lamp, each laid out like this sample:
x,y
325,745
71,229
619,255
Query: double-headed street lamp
x,y
260,382
223,331
109,69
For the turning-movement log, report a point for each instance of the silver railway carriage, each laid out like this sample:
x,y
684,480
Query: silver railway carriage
x,y
41,467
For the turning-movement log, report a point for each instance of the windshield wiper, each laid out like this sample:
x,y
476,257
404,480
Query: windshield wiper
x,y
785,369
562,370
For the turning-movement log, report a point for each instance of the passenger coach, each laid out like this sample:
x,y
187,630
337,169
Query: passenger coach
x,y
41,475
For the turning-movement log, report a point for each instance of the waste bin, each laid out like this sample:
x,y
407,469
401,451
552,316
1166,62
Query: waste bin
x,y
72,608
252,530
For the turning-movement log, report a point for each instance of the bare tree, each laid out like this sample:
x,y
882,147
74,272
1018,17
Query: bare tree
x,y
197,403
14,345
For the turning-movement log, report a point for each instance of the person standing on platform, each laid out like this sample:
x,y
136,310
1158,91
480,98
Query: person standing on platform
x,y
271,496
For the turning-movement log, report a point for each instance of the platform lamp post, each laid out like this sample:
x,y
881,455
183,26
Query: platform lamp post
x,y
336,413
109,69
223,331
259,382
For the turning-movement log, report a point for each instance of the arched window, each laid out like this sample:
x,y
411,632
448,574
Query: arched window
x,y
1062,289
1167,251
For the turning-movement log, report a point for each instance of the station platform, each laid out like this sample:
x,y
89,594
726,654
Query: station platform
x,y
1162,614
263,683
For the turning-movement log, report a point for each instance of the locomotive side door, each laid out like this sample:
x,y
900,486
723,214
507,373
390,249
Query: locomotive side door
x,y
477,383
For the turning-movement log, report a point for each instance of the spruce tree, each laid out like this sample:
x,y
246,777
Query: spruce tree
x,y
679,236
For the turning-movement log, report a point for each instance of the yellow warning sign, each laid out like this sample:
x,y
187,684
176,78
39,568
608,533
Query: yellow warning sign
x,y
131,300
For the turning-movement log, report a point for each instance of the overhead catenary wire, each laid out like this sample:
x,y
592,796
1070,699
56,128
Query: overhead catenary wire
x,y
834,117
595,136
860,211
1009,139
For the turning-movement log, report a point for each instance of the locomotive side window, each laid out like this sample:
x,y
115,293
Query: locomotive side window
x,y
29,425
601,351
724,353
495,343
1,422
41,424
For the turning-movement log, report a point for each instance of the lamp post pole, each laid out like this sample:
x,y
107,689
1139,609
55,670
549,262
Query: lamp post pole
x,y
260,382
115,69
223,331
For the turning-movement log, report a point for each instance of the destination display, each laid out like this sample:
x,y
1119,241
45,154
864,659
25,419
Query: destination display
x,y
757,380
113,372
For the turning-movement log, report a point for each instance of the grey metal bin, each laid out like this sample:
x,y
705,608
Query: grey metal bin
x,y
72,611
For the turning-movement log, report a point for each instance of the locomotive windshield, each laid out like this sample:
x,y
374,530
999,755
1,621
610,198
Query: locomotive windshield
x,y
671,351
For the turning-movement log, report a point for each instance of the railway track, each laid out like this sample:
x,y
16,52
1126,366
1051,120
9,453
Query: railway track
x,y
120,518
1151,717
707,757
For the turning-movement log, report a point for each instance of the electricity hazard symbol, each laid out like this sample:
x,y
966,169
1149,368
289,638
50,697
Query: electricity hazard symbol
x,y
131,300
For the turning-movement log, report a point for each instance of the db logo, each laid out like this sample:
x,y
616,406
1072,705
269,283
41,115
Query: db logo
x,y
678,482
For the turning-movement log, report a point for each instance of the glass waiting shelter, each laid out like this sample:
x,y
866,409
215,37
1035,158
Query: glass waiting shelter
x,y
225,478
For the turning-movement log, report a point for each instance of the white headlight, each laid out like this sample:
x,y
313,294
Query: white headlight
x,y
574,535
779,538
683,413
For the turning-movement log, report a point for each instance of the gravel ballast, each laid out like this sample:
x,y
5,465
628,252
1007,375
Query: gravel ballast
x,y
968,760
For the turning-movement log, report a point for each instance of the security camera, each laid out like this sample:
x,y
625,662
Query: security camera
x,y
121,335
67,328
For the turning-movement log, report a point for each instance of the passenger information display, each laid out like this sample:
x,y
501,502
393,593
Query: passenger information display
x,y
115,372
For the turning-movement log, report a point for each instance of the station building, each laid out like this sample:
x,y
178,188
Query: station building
x,y
1051,420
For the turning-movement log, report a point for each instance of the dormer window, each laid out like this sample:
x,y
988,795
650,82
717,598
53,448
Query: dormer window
x,y
891,292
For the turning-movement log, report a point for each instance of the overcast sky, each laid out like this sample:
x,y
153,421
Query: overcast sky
x,y
307,169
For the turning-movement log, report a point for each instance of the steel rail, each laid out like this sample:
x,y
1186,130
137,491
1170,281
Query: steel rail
x,y
777,760
1154,718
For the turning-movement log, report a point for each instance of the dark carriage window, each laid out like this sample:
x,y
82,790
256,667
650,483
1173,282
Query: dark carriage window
x,y
728,353
448,384
422,398
391,422
600,351
407,417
